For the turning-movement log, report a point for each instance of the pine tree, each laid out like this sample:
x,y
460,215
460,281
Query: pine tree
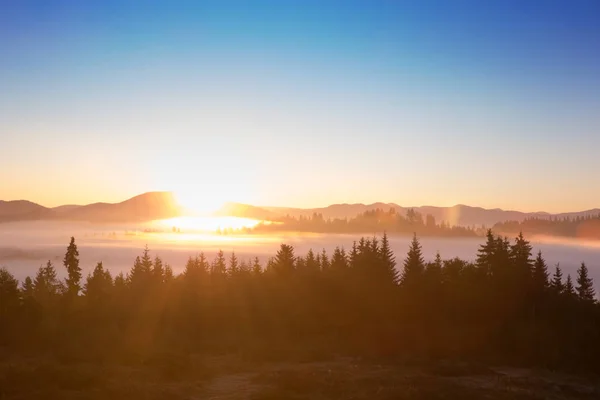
x,y
324,261
98,284
485,254
353,256
311,263
46,284
158,271
284,261
71,263
568,290
168,275
202,264
388,259
27,289
414,264
557,284
9,298
585,285
520,254
540,274
256,267
120,281
219,266
234,268
146,263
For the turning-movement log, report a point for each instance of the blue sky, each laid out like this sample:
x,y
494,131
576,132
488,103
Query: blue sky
x,y
302,103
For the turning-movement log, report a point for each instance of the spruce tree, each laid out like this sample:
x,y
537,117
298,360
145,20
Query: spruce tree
x,y
256,267
433,270
585,285
556,284
219,266
158,271
71,263
284,261
569,291
234,267
9,298
339,261
520,254
485,254
168,275
98,284
27,289
414,264
540,274
324,261
311,263
388,259
46,285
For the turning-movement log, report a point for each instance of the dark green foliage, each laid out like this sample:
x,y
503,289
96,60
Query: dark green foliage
x,y
234,267
219,265
71,263
388,260
500,308
540,274
585,287
569,291
98,285
414,265
284,262
556,284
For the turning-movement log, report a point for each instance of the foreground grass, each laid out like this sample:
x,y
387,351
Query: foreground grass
x,y
168,376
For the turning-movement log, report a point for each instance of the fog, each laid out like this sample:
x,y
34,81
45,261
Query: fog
x,y
24,246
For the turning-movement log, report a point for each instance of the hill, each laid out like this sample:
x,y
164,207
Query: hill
x,y
22,210
145,207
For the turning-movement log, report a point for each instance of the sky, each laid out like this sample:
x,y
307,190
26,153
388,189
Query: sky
x,y
302,103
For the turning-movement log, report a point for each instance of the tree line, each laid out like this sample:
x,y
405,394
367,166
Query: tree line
x,y
504,307
377,220
581,227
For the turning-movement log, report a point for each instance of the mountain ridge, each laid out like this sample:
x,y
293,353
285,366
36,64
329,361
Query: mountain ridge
x,y
161,205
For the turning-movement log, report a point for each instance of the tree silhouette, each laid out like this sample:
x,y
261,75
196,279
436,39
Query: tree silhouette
x,y
585,286
388,259
414,265
540,274
71,263
557,283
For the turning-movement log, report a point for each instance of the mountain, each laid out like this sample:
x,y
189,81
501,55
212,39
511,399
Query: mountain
x,y
142,208
245,211
145,207
161,205
460,215
19,210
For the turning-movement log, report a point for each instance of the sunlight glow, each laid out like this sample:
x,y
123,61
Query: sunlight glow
x,y
207,224
197,201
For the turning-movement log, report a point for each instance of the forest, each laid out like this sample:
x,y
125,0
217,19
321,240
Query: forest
x,y
377,220
587,227
503,307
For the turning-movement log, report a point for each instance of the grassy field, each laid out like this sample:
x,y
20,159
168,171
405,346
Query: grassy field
x,y
169,376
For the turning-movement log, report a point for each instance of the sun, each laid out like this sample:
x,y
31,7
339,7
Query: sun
x,y
198,201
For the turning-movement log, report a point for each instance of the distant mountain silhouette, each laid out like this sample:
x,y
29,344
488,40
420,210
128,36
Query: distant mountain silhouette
x,y
459,215
22,210
145,207
245,211
161,205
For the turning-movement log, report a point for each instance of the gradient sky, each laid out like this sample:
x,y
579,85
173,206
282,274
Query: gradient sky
x,y
303,103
